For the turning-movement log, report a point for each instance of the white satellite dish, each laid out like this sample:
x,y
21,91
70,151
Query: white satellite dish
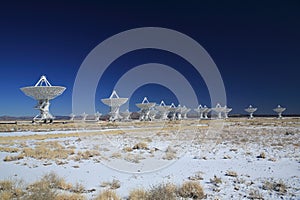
x,y
250,110
279,111
163,110
145,107
43,92
114,102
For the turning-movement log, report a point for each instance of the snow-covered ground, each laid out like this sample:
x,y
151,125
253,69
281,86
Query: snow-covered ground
x,y
174,153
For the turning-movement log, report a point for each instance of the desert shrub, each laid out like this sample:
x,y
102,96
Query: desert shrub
x,y
127,149
170,154
13,158
87,154
279,187
196,177
9,149
115,184
141,145
69,197
216,181
255,195
137,194
108,195
78,188
134,158
40,190
162,192
231,173
10,189
262,155
191,189
116,155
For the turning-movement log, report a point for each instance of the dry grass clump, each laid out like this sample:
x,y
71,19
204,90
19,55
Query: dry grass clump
x,y
47,150
255,195
162,192
231,173
69,197
191,189
40,190
78,188
141,146
108,195
53,181
13,158
10,189
85,155
262,155
170,154
127,149
115,184
216,181
137,194
9,149
134,158
279,187
196,177
116,155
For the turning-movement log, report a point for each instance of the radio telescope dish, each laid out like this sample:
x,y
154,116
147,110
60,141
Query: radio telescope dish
x,y
226,111
250,110
97,116
218,109
43,92
126,115
173,111
201,110
163,110
114,102
145,107
185,112
279,111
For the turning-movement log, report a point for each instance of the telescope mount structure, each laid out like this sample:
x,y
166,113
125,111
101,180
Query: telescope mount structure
x,y
145,107
114,102
279,111
250,110
43,92
218,109
163,110
201,110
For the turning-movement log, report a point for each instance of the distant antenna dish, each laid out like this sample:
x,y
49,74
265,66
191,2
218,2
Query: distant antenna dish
x,y
226,111
250,110
163,110
219,109
201,110
43,92
114,102
145,107
279,111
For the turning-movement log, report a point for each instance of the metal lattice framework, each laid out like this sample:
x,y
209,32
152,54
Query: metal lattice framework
x,y
114,102
43,92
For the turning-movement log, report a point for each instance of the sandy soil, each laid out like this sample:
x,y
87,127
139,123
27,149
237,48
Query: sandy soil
x,y
236,158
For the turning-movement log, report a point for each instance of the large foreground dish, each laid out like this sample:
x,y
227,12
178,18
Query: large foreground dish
x,y
43,92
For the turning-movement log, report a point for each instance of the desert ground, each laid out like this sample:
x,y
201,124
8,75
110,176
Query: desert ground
x,y
236,158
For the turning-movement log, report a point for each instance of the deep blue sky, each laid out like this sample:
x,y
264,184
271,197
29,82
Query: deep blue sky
x,y
256,46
